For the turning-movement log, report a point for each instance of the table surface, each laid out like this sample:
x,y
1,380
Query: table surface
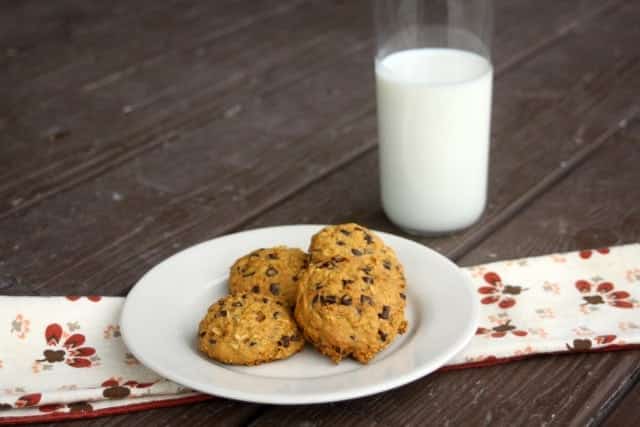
x,y
131,130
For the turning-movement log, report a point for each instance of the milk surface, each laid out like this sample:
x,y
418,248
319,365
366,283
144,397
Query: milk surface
x,y
434,109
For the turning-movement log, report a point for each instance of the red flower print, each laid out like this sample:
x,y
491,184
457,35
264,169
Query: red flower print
x,y
71,351
605,294
28,400
586,254
92,298
498,291
501,330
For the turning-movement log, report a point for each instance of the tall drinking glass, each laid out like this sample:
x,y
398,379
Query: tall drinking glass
x,y
434,82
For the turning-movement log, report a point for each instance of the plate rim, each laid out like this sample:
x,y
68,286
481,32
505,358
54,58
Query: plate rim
x,y
291,398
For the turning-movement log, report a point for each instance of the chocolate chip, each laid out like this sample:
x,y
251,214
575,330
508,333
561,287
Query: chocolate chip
x,y
368,239
346,282
212,341
255,289
222,313
249,274
252,343
284,341
276,314
367,279
315,299
346,300
264,300
386,264
271,272
274,288
273,256
356,252
260,316
385,312
245,296
403,296
352,337
279,303
366,299
237,304
329,299
319,286
345,232
305,263
366,269
340,243
295,278
382,335
203,333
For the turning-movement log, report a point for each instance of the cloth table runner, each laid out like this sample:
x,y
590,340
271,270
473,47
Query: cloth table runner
x,y
63,357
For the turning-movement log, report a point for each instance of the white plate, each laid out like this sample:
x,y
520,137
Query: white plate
x,y
161,314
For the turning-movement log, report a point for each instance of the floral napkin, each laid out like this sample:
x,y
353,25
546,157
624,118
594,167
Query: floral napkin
x,y
63,357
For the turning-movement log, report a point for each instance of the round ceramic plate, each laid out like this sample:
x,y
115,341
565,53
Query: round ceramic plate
x,y
161,315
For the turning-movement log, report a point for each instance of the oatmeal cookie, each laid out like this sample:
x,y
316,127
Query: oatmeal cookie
x,y
351,306
249,329
274,272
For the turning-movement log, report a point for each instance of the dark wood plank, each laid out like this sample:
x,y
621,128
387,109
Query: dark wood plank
x,y
140,108
218,412
192,190
596,204
627,412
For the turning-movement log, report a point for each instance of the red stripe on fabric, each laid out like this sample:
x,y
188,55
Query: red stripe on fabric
x,y
500,361
202,397
105,411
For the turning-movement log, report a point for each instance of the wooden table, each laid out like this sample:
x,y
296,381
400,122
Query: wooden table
x,y
129,132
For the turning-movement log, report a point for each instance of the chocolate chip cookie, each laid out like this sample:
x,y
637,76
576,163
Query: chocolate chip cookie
x,y
249,329
346,240
274,272
351,306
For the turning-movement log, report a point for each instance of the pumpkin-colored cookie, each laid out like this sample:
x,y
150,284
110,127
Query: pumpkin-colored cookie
x,y
346,240
249,329
274,272
352,306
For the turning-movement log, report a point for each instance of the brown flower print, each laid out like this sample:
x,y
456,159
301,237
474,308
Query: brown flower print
x,y
586,254
498,292
605,294
585,344
501,331
70,352
71,407
116,389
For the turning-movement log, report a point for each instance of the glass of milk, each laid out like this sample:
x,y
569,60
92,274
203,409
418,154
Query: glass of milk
x,y
434,82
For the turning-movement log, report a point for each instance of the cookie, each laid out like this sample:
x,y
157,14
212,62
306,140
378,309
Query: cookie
x,y
346,240
354,241
351,306
274,272
249,329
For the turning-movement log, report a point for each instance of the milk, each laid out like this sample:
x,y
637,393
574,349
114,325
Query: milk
x,y
434,109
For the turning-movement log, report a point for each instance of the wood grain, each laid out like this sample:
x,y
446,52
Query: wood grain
x,y
627,413
147,210
148,106
550,390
